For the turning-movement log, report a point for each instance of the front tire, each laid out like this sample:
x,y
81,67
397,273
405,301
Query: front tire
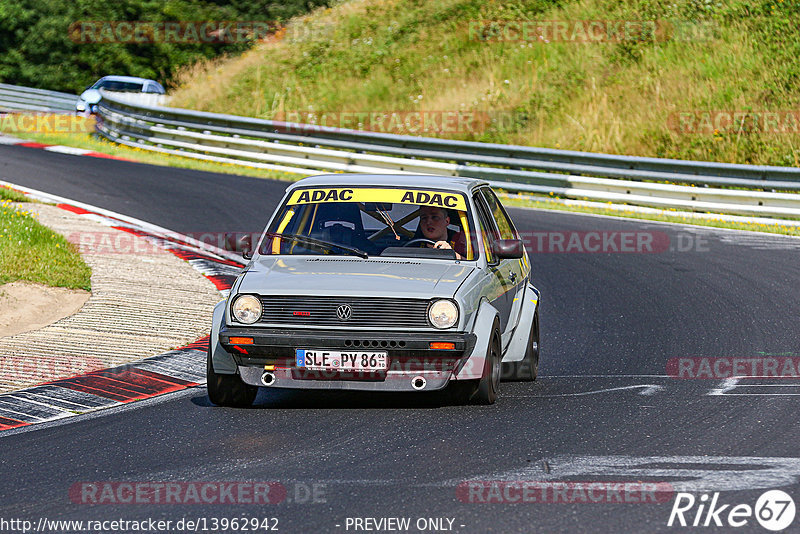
x,y
228,390
489,384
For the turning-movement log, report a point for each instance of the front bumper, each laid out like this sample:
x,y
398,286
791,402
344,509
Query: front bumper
x,y
389,381
410,357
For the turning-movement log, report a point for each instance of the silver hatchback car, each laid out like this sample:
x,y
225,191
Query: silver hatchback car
x,y
90,97
378,282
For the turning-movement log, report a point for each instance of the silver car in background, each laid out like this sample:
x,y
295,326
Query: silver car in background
x,y
382,283
151,90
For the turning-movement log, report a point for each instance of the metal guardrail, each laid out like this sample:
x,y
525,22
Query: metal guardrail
x,y
144,99
18,98
309,149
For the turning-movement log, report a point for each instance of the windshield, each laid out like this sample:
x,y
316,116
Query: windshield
x,y
374,222
121,87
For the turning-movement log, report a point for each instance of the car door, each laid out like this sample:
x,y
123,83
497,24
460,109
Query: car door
x,y
514,272
498,292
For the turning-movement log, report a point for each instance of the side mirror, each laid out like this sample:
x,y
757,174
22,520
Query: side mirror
x,y
507,249
91,96
241,243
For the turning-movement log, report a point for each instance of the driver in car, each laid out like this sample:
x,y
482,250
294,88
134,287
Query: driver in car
x,y
433,223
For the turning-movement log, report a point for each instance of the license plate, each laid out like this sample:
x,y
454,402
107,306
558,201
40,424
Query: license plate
x,y
325,360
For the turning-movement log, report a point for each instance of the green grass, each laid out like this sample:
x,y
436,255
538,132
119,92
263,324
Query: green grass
x,y
524,201
11,195
614,97
32,252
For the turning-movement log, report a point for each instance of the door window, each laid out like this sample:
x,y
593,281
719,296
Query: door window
x,y
504,224
488,232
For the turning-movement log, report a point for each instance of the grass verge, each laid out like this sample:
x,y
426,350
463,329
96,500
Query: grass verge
x,y
32,252
11,195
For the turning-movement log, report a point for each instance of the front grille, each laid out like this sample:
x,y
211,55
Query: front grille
x,y
371,312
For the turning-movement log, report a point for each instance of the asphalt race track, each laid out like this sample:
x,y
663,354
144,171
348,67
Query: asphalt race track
x,y
605,409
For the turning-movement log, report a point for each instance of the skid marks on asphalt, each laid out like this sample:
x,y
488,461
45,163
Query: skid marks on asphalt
x,y
756,386
588,385
672,473
556,386
683,473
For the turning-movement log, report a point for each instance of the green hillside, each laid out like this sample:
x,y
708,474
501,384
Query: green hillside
x,y
698,79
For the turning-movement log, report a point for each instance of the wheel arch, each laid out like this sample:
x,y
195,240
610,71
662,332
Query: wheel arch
x,y
221,361
486,323
515,350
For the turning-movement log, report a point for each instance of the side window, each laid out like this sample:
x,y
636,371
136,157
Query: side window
x,y
504,223
488,232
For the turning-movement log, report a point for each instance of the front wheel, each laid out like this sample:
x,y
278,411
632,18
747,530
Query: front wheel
x,y
489,384
228,390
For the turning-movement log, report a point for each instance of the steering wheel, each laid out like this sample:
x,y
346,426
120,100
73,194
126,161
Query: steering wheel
x,y
420,240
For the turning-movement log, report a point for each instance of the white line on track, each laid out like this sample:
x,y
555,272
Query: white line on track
x,y
68,150
649,389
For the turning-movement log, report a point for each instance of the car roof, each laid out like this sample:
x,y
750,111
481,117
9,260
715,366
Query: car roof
x,y
457,183
133,79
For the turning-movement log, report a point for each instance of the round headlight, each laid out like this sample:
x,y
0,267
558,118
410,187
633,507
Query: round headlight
x,y
443,314
247,309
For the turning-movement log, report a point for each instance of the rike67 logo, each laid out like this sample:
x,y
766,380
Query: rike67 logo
x,y
774,510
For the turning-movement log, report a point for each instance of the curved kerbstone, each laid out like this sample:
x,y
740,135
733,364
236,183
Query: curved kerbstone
x,y
145,301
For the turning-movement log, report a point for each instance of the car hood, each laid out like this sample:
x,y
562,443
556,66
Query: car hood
x,y
350,276
91,96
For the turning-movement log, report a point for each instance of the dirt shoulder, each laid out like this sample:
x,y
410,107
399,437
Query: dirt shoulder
x,y
25,306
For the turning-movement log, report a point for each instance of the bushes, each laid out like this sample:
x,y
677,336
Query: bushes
x,y
37,49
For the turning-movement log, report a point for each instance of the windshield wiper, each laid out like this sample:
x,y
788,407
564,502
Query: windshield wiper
x,y
320,243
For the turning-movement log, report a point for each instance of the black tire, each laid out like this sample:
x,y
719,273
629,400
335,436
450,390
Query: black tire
x,y
228,390
527,369
489,384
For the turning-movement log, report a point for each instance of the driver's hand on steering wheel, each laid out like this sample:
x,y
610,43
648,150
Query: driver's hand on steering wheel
x,y
445,245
